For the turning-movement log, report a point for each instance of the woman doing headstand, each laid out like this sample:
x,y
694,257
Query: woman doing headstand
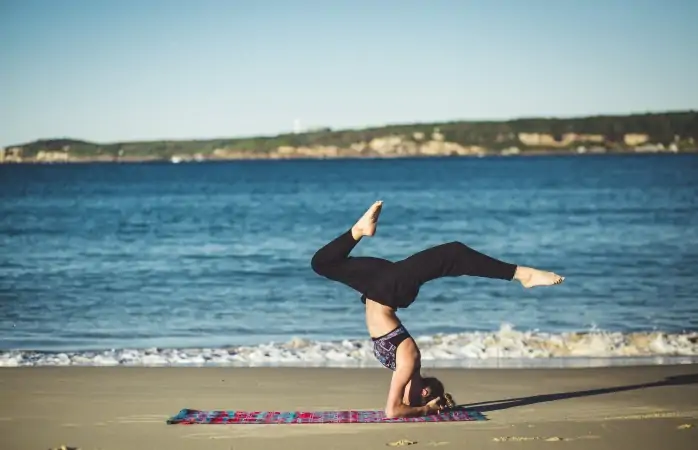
x,y
386,286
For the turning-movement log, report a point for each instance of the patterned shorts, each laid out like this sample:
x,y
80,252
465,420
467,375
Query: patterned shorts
x,y
385,347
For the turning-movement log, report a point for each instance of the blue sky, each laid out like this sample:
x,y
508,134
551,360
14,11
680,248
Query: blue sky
x,y
168,69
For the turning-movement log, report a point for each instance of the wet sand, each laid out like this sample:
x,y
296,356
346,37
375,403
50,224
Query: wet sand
x,y
636,408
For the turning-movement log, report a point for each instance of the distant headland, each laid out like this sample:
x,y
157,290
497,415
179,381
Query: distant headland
x,y
671,132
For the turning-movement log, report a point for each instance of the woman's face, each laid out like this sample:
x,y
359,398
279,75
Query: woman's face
x,y
416,392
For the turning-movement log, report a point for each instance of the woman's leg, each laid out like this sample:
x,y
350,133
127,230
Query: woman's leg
x,y
456,259
334,253
332,261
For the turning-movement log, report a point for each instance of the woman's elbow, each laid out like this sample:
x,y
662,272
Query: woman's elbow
x,y
394,412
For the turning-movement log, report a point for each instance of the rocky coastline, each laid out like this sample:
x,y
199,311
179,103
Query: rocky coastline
x,y
447,140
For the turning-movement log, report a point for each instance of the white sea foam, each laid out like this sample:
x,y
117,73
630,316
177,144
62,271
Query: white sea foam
x,y
504,348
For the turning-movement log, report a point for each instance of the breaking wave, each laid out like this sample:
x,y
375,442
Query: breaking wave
x,y
504,348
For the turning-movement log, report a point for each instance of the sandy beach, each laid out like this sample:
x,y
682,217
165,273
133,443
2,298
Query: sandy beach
x,y
653,407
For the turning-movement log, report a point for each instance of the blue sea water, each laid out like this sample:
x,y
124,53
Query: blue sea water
x,y
208,255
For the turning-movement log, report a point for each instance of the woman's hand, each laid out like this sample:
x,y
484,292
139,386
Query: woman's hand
x,y
434,406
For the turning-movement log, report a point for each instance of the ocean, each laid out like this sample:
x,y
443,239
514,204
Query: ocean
x,y
209,263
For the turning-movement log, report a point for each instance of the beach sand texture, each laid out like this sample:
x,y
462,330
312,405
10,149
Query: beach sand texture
x,y
654,407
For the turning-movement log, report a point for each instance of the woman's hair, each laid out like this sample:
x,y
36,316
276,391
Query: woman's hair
x,y
436,389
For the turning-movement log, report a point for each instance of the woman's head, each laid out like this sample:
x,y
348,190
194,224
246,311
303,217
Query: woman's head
x,y
433,388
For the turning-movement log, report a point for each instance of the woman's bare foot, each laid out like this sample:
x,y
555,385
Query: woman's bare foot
x,y
530,277
366,225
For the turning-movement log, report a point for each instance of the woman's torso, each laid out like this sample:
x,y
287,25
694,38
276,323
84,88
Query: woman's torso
x,y
380,319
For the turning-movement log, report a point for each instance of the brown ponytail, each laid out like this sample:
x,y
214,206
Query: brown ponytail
x,y
448,401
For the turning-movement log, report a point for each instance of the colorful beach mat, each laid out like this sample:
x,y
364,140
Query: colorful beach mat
x,y
193,416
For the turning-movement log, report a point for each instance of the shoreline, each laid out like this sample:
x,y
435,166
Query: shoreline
x,y
274,157
622,408
488,364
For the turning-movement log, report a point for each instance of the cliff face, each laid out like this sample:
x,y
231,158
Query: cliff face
x,y
385,147
644,133
567,139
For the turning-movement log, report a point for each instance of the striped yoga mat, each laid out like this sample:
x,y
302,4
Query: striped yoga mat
x,y
194,416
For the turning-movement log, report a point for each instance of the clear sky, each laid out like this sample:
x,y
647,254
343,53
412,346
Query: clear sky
x,y
121,70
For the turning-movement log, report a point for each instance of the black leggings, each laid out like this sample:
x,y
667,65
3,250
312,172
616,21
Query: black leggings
x,y
396,284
